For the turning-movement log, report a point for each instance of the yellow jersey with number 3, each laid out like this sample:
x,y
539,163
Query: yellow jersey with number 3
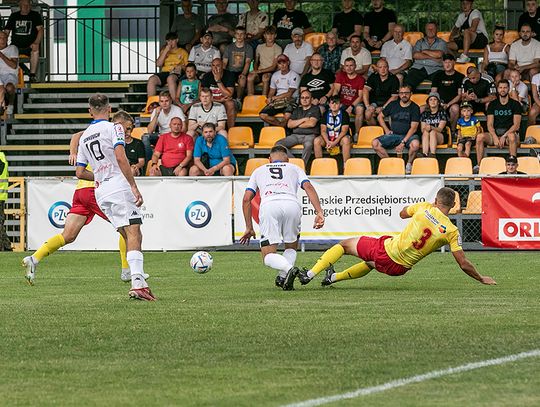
x,y
428,230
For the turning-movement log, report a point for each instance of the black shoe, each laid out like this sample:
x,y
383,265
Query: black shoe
x,y
280,281
328,276
303,277
33,78
288,284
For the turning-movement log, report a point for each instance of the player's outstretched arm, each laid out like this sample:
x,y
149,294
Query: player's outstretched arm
x,y
314,199
246,209
123,163
469,268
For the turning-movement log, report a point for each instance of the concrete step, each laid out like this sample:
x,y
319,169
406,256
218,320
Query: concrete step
x,y
33,137
58,126
53,157
35,147
83,95
61,106
24,169
102,86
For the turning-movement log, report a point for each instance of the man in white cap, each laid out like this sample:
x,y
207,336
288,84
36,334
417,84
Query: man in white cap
x,y
299,52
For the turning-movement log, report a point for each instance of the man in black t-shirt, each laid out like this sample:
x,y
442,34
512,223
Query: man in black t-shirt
x,y
318,81
478,90
288,18
347,22
26,26
531,17
221,82
448,84
503,121
381,88
378,25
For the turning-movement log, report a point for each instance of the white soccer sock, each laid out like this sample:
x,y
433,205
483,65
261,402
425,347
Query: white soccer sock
x,y
290,255
135,261
277,262
310,274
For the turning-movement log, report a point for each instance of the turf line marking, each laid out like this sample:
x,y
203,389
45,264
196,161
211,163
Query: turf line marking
x,y
416,379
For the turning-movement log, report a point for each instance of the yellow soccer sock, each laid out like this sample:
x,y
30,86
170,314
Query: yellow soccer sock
x,y
329,257
49,247
356,271
123,250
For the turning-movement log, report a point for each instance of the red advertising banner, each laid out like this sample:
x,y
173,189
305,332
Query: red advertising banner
x,y
511,213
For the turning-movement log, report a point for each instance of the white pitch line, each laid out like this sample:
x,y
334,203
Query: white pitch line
x,y
415,379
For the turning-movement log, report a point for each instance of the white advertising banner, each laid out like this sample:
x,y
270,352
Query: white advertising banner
x,y
178,214
352,206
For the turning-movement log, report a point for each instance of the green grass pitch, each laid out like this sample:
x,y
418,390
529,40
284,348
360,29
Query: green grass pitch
x,y
230,338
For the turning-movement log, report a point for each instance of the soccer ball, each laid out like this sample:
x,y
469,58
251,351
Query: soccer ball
x,y
201,262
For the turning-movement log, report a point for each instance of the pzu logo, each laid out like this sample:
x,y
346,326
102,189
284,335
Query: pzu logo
x,y
58,213
198,214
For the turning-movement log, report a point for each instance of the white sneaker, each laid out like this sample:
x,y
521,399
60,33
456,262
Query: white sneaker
x,y
30,276
408,168
125,276
463,59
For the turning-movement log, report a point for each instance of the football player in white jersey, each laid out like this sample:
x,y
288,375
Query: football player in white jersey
x,y
102,146
280,211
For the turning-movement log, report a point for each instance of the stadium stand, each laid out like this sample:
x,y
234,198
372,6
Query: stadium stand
x,y
269,135
240,137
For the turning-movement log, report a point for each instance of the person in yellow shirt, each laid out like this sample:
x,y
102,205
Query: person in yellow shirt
x,y
429,229
172,60
468,127
83,209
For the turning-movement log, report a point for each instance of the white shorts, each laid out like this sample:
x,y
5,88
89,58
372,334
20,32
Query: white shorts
x,y
279,221
6,78
120,208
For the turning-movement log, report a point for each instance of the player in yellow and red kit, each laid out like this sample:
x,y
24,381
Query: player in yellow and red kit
x,y
429,229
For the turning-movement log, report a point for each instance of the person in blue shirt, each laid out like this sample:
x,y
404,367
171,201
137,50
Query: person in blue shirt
x,y
211,155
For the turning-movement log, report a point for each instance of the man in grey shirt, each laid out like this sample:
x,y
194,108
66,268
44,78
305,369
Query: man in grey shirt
x,y
222,25
427,55
304,124
188,26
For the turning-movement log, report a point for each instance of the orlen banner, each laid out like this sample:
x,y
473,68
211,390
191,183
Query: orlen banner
x,y
511,213
351,206
178,213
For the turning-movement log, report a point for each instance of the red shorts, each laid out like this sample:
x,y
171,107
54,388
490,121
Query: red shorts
x,y
372,249
84,204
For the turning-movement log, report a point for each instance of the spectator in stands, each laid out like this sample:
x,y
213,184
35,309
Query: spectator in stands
x,y
172,61
398,53
512,165
361,56
189,89
222,25
448,84
427,54
433,125
265,62
468,129
299,52
207,111
349,86
331,53
303,125
318,81
175,150
478,90
335,131
203,54
518,89
26,26
404,117
159,121
525,54
288,18
535,103
212,155
381,88
496,55
255,21
9,57
531,17
5,244
237,59
221,84
134,147
347,22
378,25
503,122
188,26
283,86
469,32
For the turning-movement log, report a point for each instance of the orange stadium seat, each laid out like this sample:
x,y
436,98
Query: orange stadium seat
x,y
457,205
462,68
366,136
391,166
444,35
254,163
533,131
240,137
357,166
269,135
419,98
459,166
425,166
298,162
510,36
20,78
474,203
413,36
529,165
324,166
492,166
315,39
138,132
149,101
252,105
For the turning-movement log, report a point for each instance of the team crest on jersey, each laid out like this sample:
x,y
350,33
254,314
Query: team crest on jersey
x,y
442,228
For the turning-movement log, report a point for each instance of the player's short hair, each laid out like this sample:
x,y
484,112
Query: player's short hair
x,y
350,59
446,197
505,81
206,90
191,65
98,102
279,149
209,125
122,116
270,30
165,93
355,36
240,28
173,35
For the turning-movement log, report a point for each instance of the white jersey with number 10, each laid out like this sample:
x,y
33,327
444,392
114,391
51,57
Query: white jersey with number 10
x,y
277,181
96,147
